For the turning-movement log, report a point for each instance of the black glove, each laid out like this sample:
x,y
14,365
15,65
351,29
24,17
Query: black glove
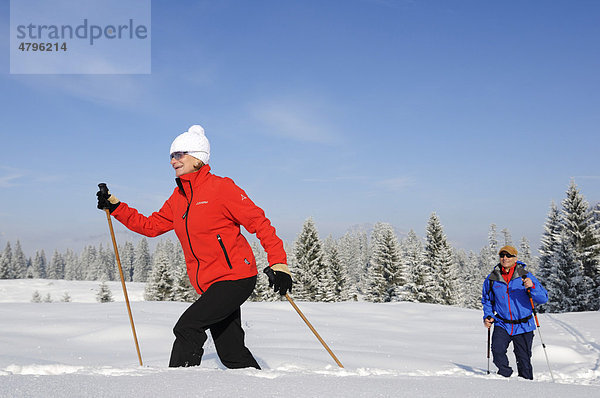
x,y
105,199
279,278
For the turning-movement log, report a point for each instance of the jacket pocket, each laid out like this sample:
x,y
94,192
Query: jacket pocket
x,y
224,250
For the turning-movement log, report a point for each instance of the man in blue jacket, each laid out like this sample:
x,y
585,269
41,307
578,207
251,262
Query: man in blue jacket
x,y
506,304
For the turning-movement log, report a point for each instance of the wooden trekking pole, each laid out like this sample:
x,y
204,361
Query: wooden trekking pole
x,y
312,329
103,188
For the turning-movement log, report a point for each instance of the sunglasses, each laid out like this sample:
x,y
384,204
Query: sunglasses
x,y
178,155
506,255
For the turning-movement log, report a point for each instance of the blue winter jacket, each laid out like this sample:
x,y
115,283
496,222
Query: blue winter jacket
x,y
511,302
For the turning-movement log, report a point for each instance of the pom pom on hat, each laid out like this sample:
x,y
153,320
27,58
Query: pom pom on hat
x,y
194,142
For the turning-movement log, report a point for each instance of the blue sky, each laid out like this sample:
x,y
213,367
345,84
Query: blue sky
x,y
351,112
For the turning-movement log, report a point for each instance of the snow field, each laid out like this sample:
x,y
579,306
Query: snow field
x,y
388,350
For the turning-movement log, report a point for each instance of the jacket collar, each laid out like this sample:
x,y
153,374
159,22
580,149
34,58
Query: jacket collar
x,y
520,271
194,178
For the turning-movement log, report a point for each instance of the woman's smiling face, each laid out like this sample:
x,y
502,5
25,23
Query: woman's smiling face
x,y
183,163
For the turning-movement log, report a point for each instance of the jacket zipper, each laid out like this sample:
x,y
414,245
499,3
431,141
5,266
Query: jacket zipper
x,y
224,251
187,232
509,310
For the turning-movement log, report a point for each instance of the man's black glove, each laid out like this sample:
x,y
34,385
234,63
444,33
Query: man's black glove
x,y
106,200
279,278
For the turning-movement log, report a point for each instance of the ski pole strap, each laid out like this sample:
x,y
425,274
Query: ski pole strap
x,y
513,321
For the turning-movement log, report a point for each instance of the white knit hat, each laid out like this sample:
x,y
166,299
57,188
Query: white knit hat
x,y
194,142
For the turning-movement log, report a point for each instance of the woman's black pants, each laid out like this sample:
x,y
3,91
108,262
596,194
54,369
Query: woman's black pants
x,y
218,310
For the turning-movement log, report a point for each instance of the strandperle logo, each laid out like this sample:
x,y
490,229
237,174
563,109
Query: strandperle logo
x,y
85,30
80,36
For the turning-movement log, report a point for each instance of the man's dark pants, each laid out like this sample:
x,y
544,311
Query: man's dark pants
x,y
218,310
522,348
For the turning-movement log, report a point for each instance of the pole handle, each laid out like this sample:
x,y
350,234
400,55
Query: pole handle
x,y
531,301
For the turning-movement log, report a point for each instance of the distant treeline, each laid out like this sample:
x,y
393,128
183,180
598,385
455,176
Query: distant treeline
x,y
365,265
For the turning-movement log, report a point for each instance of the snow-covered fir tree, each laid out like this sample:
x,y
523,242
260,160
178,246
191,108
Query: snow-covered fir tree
x,y
288,247
549,241
487,258
354,253
142,264
182,287
507,237
73,270
127,256
71,265
66,298
87,261
493,241
439,258
104,294
325,283
308,255
36,297
473,273
579,226
460,258
334,283
39,265
452,293
431,249
385,273
488,255
526,257
572,228
107,264
96,270
19,262
548,247
6,263
29,273
596,217
484,259
570,289
418,278
168,249
596,228
47,298
160,284
56,269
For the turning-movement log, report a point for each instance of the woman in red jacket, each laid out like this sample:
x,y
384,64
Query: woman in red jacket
x,y
206,212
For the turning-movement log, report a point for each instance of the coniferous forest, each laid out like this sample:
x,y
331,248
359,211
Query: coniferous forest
x,y
376,265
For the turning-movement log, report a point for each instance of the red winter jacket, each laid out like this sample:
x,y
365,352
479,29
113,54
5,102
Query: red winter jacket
x,y
206,212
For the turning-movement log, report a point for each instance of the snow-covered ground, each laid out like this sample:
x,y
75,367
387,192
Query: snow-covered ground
x,y
85,349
